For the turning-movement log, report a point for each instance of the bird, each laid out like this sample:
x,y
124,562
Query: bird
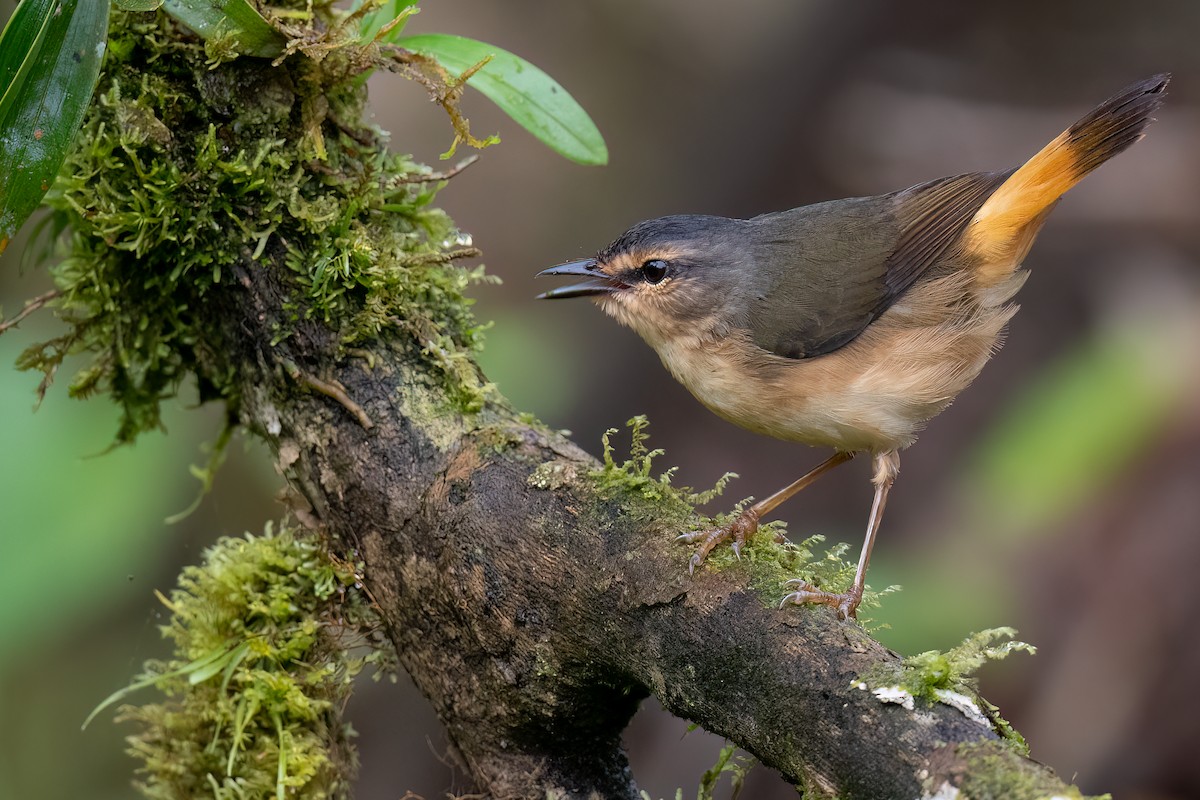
x,y
846,324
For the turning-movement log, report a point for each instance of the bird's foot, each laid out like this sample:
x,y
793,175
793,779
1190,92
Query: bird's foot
x,y
742,527
845,603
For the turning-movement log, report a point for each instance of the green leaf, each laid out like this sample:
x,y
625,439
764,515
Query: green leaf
x,y
138,5
201,666
252,35
531,97
19,45
43,108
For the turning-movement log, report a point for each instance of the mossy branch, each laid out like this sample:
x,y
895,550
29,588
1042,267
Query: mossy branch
x,y
242,224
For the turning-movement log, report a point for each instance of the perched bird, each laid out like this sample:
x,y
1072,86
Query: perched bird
x,y
847,324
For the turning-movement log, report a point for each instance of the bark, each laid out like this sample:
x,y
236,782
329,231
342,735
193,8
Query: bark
x,y
536,619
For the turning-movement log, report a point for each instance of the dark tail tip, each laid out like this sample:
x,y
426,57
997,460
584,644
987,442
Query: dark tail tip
x,y
1116,123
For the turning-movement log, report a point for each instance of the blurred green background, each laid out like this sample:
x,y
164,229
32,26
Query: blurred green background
x,y
1060,494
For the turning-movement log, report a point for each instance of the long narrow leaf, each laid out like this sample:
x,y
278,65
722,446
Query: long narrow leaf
x,y
138,5
253,35
220,657
531,97
44,115
19,45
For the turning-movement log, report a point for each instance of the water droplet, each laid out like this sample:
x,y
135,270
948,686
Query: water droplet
x,y
458,240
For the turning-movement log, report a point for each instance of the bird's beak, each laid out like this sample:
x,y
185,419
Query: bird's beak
x,y
587,268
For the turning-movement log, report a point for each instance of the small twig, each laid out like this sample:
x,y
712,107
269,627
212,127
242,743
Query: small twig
x,y
444,89
440,258
334,390
432,177
30,307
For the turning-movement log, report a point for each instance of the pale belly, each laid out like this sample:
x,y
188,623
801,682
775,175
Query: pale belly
x,y
846,420
875,394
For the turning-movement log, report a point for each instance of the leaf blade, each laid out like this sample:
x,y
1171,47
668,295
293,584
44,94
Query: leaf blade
x,y
532,98
20,42
138,5
252,33
44,115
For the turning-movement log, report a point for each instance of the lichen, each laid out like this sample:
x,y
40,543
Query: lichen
x,y
263,633
183,174
552,474
936,676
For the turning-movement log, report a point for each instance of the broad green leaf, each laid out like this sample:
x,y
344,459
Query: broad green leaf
x,y
138,5
19,45
252,34
46,109
531,97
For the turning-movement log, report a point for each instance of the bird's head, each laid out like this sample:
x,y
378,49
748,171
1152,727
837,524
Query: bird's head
x,y
663,276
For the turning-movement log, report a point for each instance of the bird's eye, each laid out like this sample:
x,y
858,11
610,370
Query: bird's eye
x,y
654,270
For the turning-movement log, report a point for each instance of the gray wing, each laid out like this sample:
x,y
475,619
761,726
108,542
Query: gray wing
x,y
826,271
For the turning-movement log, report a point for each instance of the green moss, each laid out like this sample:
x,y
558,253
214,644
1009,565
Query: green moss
x,y
183,173
498,438
927,676
993,773
644,494
262,633
772,560
927,672
729,762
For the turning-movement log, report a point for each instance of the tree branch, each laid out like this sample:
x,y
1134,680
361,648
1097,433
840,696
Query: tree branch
x,y
534,611
536,619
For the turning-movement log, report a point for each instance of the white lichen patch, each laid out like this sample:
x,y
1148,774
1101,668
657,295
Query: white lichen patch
x,y
964,704
889,694
270,419
552,475
946,791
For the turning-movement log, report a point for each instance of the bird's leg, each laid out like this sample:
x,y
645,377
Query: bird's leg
x,y
887,465
745,524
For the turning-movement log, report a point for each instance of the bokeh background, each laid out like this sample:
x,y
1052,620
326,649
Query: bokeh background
x,y
1059,495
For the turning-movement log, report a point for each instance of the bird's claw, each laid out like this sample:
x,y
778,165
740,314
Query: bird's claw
x,y
743,526
845,603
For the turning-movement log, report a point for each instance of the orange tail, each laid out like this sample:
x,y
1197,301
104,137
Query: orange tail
x,y
1003,229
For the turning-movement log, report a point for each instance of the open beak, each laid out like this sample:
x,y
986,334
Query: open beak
x,y
587,268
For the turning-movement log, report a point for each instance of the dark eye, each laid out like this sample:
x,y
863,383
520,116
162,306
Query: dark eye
x,y
654,270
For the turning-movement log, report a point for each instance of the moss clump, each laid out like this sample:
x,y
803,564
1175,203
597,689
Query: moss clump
x,y
772,561
935,675
261,672
729,761
927,672
183,174
992,773
633,481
